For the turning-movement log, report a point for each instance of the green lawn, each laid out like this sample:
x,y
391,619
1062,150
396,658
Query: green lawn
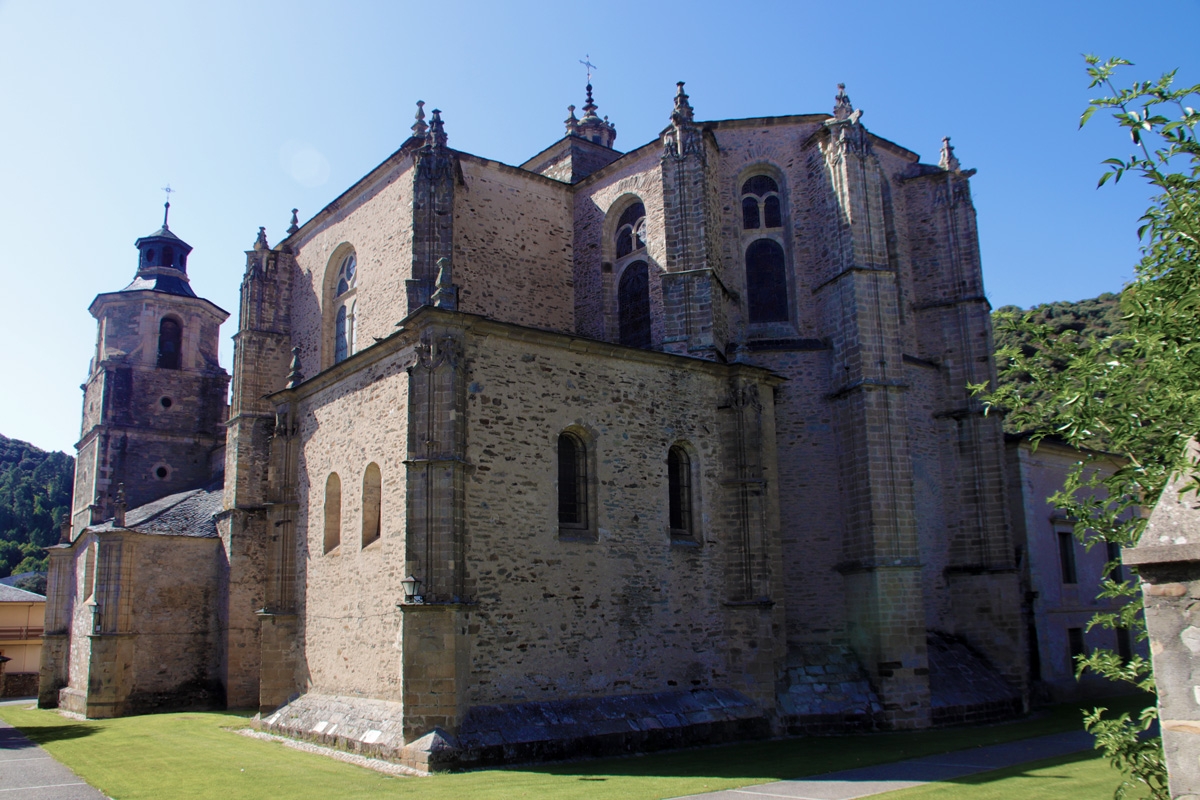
x,y
196,755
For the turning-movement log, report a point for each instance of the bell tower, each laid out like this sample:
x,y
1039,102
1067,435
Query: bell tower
x,y
154,402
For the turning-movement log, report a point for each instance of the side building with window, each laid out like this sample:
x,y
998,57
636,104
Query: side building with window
x,y
1061,577
644,438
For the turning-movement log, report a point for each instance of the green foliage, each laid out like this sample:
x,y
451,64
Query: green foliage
x,y
1132,389
35,499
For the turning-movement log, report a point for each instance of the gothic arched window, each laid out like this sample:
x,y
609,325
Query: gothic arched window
x,y
343,304
633,305
371,501
766,282
170,343
679,493
333,511
760,203
631,230
572,483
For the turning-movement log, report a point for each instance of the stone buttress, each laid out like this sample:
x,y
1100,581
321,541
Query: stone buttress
x,y
880,558
953,315
257,527
694,294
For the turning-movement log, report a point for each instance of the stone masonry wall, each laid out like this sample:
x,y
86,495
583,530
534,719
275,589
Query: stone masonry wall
x,y
377,224
631,611
512,246
350,624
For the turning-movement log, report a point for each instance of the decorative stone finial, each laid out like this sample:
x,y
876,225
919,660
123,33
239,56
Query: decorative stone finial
x,y
683,136
119,507
948,161
589,108
295,376
261,242
295,226
571,122
436,138
419,127
446,294
842,108
683,113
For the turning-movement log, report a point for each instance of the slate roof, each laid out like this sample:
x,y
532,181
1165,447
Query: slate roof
x,y
168,284
184,514
11,594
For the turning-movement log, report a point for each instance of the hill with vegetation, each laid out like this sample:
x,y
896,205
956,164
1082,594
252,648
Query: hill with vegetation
x,y
1098,316
35,499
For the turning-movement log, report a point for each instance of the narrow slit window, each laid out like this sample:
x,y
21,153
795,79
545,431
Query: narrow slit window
x,y
572,482
679,483
170,342
1066,557
333,512
371,503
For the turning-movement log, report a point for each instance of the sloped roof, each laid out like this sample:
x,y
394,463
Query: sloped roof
x,y
11,594
168,284
189,513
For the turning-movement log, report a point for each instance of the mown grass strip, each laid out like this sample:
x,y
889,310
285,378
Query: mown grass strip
x,y
198,755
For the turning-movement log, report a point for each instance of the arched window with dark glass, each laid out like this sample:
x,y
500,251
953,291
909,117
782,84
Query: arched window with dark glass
x,y
633,305
572,482
760,203
333,511
631,230
345,283
372,498
168,256
766,282
679,490
170,343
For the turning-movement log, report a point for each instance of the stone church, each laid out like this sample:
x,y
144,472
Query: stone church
x,y
606,451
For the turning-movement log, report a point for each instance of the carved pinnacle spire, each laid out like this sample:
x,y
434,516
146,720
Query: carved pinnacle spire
x,y
261,242
436,138
683,113
842,107
419,127
295,226
948,161
571,122
589,108
295,376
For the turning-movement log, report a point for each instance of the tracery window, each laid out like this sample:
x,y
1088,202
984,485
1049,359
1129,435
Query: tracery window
x,y
170,343
333,511
679,493
371,502
633,287
766,282
572,483
633,305
760,203
343,316
631,230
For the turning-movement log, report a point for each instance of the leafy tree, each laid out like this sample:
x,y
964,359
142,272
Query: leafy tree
x,y
35,499
1133,391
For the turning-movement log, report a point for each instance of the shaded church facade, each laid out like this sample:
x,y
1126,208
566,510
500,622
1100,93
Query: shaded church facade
x,y
603,451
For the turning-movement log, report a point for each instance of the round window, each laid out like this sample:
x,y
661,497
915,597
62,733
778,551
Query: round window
x,y
165,403
161,472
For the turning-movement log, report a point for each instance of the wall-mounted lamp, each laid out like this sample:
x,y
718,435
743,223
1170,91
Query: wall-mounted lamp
x,y
412,587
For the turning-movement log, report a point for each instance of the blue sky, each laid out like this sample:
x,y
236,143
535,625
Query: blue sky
x,y
249,109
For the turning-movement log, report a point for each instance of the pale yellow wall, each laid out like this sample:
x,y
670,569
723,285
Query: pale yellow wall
x,y
26,653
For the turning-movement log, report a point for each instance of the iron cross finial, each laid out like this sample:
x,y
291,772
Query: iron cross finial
x,y
167,205
587,62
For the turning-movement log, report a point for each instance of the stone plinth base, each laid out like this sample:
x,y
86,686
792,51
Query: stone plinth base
x,y
506,734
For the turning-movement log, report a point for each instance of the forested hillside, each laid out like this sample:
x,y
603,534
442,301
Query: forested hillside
x,y
35,498
1099,315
